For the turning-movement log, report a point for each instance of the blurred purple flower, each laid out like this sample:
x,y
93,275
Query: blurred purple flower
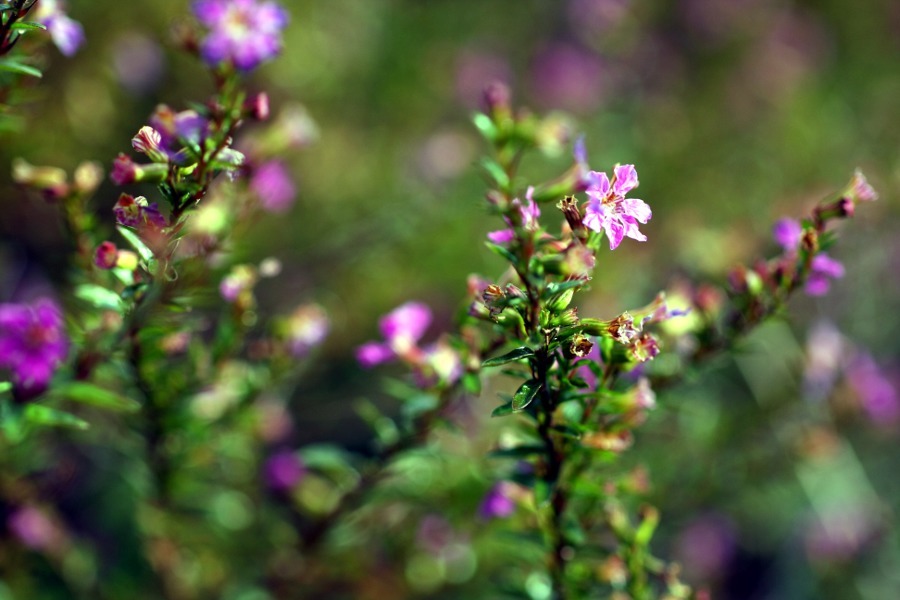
x,y
66,33
823,270
32,343
787,232
284,470
272,184
877,394
567,77
402,329
706,546
33,528
609,210
597,17
498,502
243,32
475,71
138,62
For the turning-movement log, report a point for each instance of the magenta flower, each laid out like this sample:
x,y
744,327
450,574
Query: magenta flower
x,y
244,33
272,184
497,503
66,33
284,470
528,220
32,343
823,270
609,210
106,255
789,234
402,329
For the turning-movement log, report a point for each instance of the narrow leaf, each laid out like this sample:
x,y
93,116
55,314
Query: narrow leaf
x,y
496,172
503,410
136,243
88,393
502,252
100,297
486,126
5,386
14,66
525,394
517,354
23,26
44,415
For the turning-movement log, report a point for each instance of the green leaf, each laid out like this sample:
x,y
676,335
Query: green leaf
x,y
14,66
136,243
23,26
503,410
39,414
502,252
93,395
485,126
5,386
525,394
556,288
100,297
496,172
513,355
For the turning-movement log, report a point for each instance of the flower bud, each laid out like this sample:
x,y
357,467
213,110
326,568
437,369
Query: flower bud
x,y
562,301
106,255
257,107
148,141
50,181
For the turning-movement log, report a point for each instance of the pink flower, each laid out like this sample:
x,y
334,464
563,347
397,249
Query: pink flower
x,y
528,220
402,329
609,210
498,503
273,186
32,343
244,33
66,33
789,234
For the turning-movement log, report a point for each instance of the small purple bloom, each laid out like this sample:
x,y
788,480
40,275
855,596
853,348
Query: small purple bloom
x,y
402,329
124,170
875,390
501,236
609,210
788,233
284,470
273,186
242,32
33,528
32,343
528,219
498,502
137,212
66,33
822,270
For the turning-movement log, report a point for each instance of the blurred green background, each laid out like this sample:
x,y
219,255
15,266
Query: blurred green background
x,y
735,112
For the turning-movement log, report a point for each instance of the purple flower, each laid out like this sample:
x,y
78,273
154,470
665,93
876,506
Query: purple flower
x,y
65,32
402,329
875,390
498,502
137,212
33,528
106,255
32,343
823,270
283,471
609,210
528,219
244,33
273,186
788,233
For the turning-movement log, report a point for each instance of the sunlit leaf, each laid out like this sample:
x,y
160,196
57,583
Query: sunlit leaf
x,y
513,355
525,394
39,414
